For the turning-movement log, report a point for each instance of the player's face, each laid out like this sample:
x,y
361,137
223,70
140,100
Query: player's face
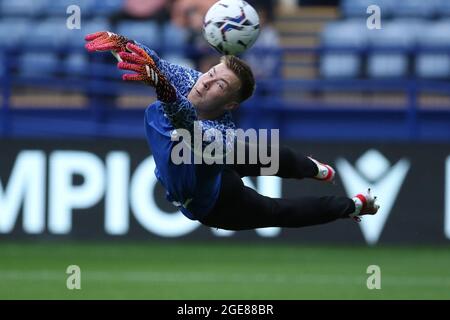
x,y
215,91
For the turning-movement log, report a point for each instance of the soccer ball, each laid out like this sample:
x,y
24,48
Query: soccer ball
x,y
231,26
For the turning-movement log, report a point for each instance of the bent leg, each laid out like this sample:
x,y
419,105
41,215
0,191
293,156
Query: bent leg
x,y
242,208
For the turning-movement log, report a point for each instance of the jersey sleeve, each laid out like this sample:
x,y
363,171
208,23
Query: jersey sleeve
x,y
182,78
181,112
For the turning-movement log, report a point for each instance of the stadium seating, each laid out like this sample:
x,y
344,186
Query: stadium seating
x,y
51,33
387,65
403,47
12,31
49,8
38,64
2,65
415,8
76,64
174,38
340,65
146,32
401,34
406,45
443,8
106,7
434,64
23,8
358,8
394,8
59,8
346,36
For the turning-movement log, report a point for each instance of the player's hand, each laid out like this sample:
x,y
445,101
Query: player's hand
x,y
146,71
106,41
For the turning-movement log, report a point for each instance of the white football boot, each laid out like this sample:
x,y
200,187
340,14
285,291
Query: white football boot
x,y
365,204
325,172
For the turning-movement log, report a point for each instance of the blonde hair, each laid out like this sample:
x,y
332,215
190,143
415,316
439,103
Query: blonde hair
x,y
244,73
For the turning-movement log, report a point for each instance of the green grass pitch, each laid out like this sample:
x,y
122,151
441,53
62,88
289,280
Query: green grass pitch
x,y
220,270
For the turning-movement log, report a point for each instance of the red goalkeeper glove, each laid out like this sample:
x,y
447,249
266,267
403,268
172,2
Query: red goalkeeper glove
x,y
106,41
139,61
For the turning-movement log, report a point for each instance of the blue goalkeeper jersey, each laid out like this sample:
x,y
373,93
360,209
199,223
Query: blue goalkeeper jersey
x,y
194,188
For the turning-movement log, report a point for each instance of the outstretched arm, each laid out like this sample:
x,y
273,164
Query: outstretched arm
x,y
182,78
172,82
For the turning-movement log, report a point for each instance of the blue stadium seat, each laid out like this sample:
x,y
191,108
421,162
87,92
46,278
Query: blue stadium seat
x,y
335,65
2,66
174,38
387,65
13,31
399,34
350,34
59,7
76,64
38,64
443,8
147,32
107,7
394,8
415,8
51,33
22,8
434,64
358,8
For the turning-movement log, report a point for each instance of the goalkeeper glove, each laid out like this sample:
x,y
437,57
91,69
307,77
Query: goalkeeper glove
x,y
107,41
139,61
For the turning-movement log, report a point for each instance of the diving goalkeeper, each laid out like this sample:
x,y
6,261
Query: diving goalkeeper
x,y
214,194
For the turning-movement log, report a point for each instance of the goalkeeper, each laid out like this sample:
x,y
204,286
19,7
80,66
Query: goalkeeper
x,y
214,194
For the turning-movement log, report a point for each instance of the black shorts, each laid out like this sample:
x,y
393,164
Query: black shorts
x,y
239,207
